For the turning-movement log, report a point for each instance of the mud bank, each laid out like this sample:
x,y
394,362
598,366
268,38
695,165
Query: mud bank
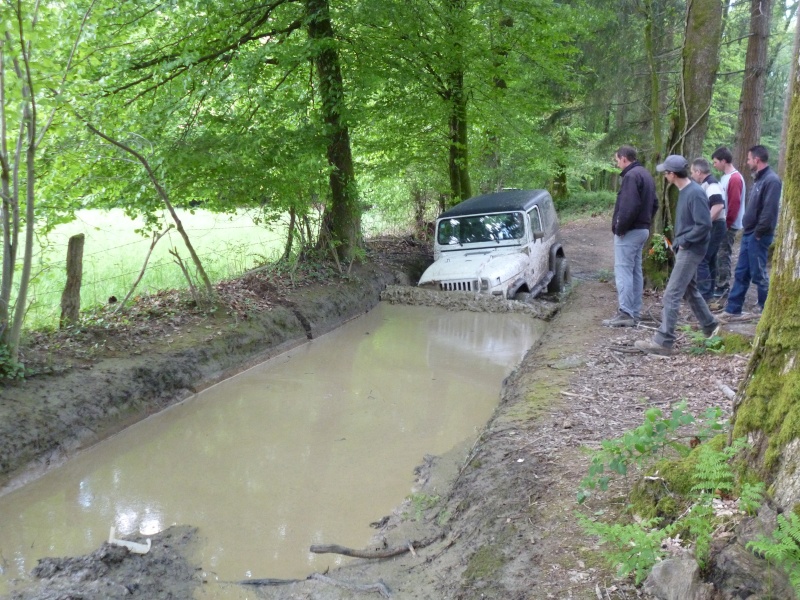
x,y
46,418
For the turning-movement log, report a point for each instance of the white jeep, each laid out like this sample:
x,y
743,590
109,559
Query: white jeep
x,y
505,244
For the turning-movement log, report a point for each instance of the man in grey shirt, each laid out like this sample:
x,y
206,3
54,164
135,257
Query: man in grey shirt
x,y
692,234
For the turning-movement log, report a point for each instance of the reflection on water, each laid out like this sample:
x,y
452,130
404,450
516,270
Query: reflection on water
x,y
307,448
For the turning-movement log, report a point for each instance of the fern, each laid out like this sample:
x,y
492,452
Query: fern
x,y
633,548
698,525
713,472
751,497
783,548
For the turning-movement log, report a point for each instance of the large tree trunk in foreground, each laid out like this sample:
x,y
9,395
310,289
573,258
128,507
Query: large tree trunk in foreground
x,y
343,216
751,104
788,104
769,407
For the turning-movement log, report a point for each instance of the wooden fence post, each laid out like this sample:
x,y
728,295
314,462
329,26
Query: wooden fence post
x,y
71,298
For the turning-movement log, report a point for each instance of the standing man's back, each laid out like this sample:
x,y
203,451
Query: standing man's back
x,y
633,213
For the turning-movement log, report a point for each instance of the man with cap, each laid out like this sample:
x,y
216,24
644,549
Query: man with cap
x,y
692,234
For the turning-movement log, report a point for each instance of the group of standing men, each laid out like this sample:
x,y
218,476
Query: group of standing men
x,y
708,219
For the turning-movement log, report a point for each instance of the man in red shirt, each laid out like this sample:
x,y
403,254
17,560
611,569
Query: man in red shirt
x,y
733,186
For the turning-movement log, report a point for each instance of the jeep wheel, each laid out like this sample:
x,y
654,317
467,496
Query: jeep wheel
x,y
561,276
523,297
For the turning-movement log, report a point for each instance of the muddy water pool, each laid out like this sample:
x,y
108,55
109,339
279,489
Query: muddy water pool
x,y
307,448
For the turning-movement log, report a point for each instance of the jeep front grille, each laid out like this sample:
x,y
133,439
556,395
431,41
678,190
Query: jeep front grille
x,y
460,286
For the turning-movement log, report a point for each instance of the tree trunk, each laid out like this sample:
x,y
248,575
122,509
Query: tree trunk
x,y
700,65
343,216
460,185
787,104
10,228
768,410
13,337
748,129
700,58
655,81
455,95
71,297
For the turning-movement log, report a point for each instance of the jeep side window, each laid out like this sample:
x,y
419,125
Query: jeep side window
x,y
547,214
536,221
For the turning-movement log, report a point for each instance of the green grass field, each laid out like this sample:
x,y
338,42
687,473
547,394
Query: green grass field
x,y
114,253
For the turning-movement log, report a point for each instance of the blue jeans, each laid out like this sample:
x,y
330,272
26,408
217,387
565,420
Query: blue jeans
x,y
707,269
682,285
628,270
751,267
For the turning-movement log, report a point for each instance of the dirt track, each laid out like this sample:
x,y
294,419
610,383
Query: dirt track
x,y
503,526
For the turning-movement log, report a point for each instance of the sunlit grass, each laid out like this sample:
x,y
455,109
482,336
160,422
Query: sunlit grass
x,y
114,254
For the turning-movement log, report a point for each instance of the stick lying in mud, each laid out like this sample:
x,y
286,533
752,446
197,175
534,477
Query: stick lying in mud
x,y
379,587
383,553
267,581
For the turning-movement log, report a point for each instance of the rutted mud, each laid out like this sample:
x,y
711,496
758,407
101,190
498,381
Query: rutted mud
x,y
539,308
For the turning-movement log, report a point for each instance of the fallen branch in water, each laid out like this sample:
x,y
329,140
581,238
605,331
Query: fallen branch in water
x,y
268,581
383,553
379,587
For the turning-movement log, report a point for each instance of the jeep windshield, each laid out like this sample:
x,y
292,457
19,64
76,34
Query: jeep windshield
x,y
481,229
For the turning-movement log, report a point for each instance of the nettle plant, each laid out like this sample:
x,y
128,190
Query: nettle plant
x,y
640,447
700,344
633,548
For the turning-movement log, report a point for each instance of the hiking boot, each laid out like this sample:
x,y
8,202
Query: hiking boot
x,y
758,309
621,319
651,347
712,330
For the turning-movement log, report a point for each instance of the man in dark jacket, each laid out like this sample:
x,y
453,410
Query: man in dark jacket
x,y
758,228
633,213
692,233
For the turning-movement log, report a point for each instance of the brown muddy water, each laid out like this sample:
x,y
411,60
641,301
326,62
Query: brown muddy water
x,y
307,448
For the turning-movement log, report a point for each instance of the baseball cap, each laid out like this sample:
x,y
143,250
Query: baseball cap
x,y
673,163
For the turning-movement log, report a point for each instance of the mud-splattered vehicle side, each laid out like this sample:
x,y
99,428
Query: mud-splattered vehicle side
x,y
504,244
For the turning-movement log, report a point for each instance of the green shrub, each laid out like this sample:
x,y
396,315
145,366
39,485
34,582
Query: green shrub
x,y
9,369
585,203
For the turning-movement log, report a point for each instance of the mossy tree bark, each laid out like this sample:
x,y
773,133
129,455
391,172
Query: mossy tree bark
x,y
768,409
700,60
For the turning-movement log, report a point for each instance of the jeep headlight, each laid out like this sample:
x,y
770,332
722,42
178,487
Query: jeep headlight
x,y
484,285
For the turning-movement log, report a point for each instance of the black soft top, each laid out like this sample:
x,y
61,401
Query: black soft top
x,y
507,201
